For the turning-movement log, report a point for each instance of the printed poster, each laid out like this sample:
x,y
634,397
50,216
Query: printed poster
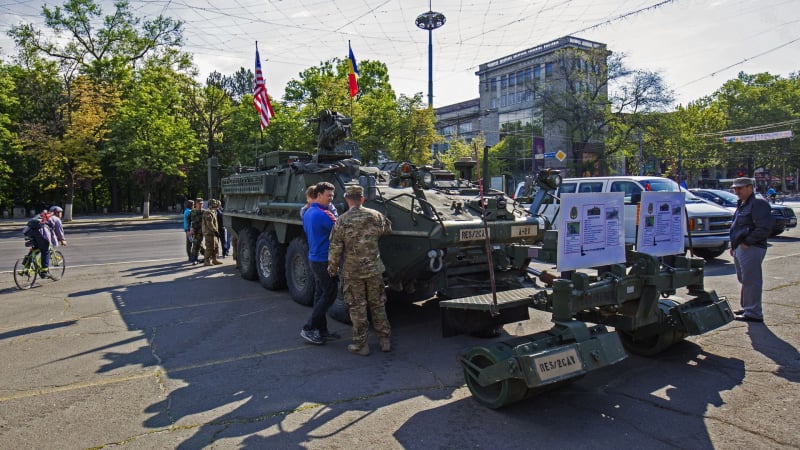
x,y
662,223
591,230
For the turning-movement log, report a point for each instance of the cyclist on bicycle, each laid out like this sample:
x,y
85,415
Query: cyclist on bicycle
x,y
44,236
57,236
771,194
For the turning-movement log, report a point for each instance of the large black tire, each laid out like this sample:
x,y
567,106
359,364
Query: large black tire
x,y
246,253
339,310
270,260
299,278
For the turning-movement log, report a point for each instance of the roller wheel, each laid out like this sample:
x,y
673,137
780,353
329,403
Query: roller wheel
x,y
653,343
270,256
299,278
495,395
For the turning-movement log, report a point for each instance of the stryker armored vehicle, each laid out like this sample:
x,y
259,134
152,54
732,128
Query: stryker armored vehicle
x,y
437,246
472,250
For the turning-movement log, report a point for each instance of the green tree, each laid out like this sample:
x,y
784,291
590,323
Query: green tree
x,y
593,93
152,136
10,149
760,103
416,132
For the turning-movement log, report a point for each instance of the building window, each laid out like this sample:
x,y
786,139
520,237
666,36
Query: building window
x,y
519,96
528,74
537,73
512,78
494,84
503,82
548,70
503,100
465,128
494,102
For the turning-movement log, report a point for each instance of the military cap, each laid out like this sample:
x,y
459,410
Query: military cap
x,y
354,191
742,181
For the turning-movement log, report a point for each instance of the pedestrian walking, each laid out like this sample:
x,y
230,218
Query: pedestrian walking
x,y
354,247
196,224
752,224
318,222
187,227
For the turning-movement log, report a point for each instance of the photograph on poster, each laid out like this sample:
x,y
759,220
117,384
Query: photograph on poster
x,y
661,223
591,233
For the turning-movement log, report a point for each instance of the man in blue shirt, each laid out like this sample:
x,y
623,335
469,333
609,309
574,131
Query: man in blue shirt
x,y
318,222
187,226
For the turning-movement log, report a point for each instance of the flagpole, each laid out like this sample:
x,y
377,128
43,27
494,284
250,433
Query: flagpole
x,y
349,49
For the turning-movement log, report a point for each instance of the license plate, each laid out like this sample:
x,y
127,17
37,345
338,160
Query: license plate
x,y
524,230
472,234
556,365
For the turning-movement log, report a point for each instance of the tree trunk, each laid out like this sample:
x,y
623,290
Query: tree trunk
x,y
146,206
70,197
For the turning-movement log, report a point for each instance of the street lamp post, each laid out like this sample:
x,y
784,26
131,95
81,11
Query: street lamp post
x,y
430,21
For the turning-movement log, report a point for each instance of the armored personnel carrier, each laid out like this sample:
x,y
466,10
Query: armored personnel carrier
x,y
472,250
438,245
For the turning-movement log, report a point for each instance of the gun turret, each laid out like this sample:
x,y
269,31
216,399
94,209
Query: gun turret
x,y
334,131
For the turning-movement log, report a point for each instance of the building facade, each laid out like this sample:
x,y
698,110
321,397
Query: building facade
x,y
507,102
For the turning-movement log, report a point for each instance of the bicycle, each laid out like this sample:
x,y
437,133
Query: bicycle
x,y
27,268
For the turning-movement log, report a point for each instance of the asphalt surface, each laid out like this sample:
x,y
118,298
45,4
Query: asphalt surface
x,y
160,354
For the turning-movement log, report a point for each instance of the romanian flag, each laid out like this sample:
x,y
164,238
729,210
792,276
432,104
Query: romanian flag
x,y
352,77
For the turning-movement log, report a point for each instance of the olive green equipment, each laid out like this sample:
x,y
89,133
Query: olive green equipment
x,y
438,251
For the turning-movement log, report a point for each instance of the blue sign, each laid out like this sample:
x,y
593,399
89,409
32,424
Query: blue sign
x,y
550,155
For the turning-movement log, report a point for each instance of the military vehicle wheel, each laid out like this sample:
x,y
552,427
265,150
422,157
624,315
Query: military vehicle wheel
x,y
339,311
270,260
299,278
652,344
246,253
495,395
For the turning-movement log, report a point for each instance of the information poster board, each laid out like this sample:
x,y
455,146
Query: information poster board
x,y
591,230
662,223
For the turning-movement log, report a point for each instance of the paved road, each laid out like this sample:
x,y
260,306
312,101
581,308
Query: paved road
x,y
154,353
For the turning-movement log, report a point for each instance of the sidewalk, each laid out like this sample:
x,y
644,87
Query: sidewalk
x,y
79,220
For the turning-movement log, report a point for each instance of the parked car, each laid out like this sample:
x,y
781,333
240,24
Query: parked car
x,y
709,224
785,217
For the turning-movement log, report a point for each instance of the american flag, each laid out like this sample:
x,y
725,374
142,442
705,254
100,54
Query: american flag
x,y
260,96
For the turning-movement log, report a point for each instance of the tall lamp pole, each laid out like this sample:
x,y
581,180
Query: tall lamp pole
x,y
430,21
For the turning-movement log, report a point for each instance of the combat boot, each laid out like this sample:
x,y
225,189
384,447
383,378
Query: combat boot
x,y
362,350
215,261
386,344
206,261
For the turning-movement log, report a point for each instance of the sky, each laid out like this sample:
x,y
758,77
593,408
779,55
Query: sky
x,y
696,45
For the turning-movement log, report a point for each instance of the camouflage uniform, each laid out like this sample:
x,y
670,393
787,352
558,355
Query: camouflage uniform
x,y
210,233
354,243
196,224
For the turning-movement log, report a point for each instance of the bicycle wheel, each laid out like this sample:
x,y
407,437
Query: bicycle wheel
x,y
57,265
24,276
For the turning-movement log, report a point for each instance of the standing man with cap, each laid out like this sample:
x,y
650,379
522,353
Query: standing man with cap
x,y
354,244
751,227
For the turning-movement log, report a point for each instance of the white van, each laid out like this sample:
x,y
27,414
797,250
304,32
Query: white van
x,y
709,224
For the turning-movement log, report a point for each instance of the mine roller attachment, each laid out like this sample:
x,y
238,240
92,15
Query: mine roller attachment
x,y
503,373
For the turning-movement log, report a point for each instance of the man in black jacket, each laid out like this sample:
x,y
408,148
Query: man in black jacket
x,y
751,227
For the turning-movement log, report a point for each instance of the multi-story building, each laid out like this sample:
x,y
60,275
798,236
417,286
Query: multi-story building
x,y
508,89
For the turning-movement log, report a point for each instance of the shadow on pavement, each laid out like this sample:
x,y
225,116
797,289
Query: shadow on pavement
x,y
639,403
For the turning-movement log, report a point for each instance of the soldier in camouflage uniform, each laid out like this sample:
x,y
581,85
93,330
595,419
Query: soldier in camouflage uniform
x,y
354,243
210,233
196,230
